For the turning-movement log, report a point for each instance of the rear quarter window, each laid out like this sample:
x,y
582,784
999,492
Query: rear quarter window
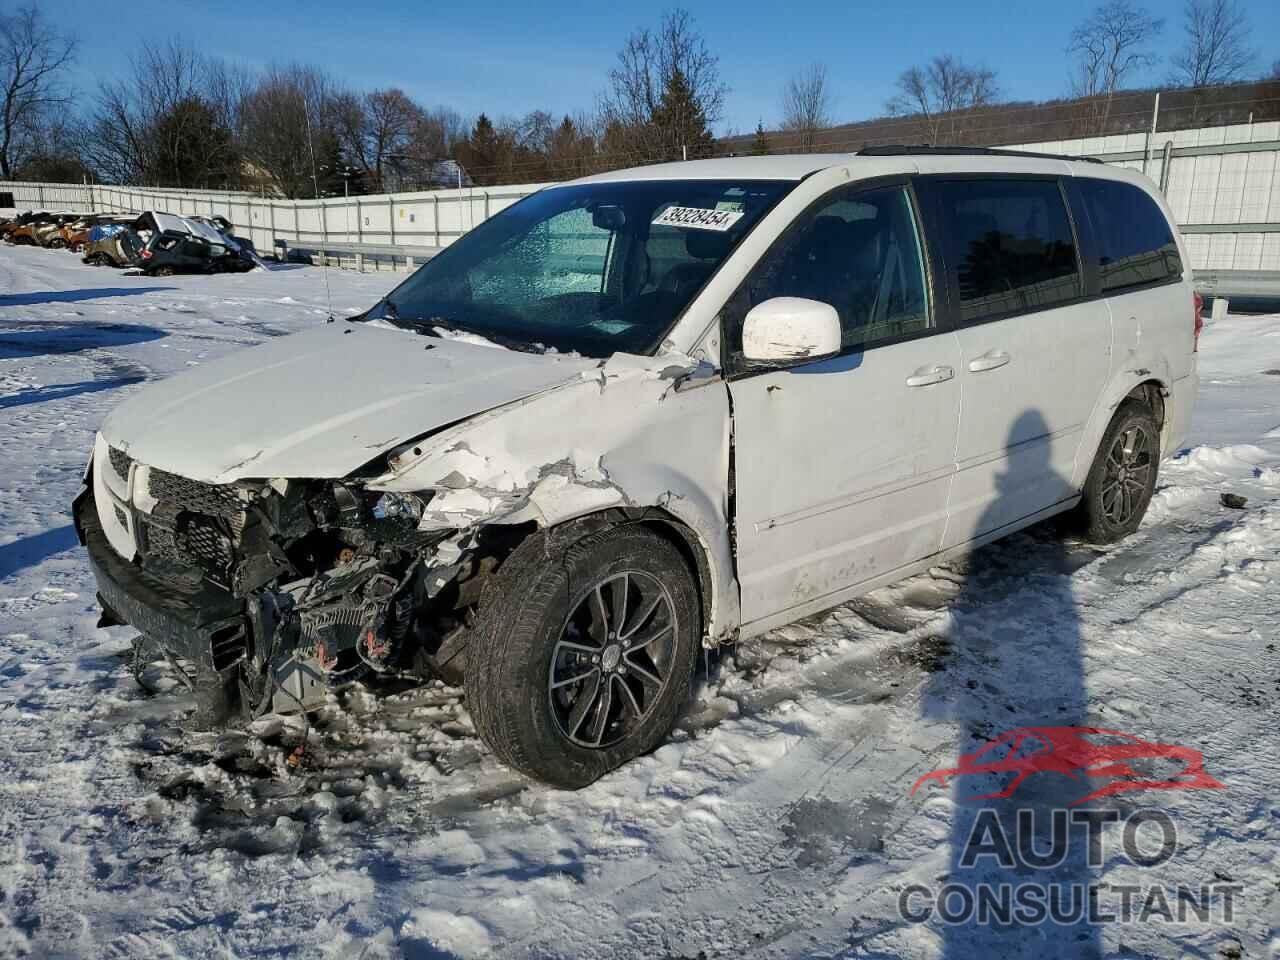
x,y
1008,244
1134,241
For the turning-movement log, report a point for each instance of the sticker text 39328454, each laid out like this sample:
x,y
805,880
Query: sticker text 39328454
x,y
697,218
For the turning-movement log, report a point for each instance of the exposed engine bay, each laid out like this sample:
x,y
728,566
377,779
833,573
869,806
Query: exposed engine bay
x,y
332,582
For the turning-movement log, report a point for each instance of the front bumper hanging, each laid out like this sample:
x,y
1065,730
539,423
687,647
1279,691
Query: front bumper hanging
x,y
186,617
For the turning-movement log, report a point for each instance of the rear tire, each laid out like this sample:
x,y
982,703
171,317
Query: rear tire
x,y
583,653
1123,476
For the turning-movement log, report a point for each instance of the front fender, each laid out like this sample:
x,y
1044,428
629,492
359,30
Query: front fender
x,y
632,434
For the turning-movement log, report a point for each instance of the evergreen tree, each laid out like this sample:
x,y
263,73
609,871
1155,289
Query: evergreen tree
x,y
679,121
760,146
483,151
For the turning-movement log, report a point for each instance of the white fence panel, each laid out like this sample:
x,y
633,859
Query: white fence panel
x,y
1232,184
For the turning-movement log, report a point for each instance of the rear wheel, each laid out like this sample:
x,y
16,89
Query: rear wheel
x,y
1123,476
583,654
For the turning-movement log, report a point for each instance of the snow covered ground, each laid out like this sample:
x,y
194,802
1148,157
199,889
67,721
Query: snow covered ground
x,y
777,823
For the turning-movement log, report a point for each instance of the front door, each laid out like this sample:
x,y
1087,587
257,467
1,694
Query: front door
x,y
842,466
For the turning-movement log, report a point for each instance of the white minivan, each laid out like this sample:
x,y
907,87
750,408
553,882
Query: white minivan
x,y
645,412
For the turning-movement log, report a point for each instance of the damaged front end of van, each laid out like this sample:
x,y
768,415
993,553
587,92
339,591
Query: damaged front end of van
x,y
276,556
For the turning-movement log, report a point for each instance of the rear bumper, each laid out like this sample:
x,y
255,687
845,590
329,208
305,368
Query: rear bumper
x,y
1178,408
186,616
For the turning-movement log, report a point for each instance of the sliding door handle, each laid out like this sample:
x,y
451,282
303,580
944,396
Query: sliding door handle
x,y
989,361
927,375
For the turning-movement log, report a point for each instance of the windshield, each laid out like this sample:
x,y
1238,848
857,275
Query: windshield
x,y
595,268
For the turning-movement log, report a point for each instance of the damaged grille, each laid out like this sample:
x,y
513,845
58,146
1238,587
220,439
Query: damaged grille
x,y
206,543
120,462
215,499
194,524
121,518
191,540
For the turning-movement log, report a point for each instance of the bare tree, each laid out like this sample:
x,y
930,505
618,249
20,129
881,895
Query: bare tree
x,y
289,131
940,92
177,129
34,55
376,128
673,61
1216,49
1109,47
806,104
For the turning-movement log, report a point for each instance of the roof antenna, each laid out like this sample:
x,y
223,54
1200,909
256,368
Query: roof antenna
x,y
315,180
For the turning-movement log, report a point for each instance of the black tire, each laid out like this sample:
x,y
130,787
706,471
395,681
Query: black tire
x,y
531,614
162,272
1123,476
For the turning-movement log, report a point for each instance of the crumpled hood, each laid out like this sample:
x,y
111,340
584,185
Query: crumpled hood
x,y
320,404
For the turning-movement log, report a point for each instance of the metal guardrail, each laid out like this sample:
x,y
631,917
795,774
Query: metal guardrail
x,y
1229,228
1241,284
355,256
358,256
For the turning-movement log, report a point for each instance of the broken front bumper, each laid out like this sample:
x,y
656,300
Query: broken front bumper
x,y
188,618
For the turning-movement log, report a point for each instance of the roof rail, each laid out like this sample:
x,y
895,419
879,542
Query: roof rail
x,y
923,149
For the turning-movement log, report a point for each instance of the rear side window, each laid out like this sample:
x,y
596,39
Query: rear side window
x,y
1135,243
1008,245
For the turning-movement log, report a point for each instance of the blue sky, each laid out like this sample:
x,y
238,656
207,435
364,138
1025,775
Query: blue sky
x,y
507,58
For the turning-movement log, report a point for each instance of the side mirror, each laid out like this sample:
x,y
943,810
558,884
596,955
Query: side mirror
x,y
790,329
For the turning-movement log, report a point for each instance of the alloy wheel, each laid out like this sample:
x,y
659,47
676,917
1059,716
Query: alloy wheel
x,y
613,659
1128,472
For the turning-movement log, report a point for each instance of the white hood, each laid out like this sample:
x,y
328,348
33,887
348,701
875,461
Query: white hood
x,y
320,404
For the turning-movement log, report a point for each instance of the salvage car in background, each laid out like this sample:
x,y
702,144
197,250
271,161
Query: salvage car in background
x,y
643,412
111,245
175,244
10,227
25,232
49,234
77,234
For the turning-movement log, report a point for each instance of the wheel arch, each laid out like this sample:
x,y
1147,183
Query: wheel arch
x,y
1141,385
666,524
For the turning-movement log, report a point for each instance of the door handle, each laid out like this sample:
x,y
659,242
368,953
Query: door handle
x,y
989,361
927,375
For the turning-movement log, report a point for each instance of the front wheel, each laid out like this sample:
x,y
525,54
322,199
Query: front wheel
x,y
1123,476
583,654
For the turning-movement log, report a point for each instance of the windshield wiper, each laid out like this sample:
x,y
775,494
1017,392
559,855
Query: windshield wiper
x,y
521,346
426,326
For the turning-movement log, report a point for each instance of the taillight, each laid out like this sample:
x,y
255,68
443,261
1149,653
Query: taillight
x,y
146,255
1198,325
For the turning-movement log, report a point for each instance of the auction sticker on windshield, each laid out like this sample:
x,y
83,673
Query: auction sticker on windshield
x,y
697,218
